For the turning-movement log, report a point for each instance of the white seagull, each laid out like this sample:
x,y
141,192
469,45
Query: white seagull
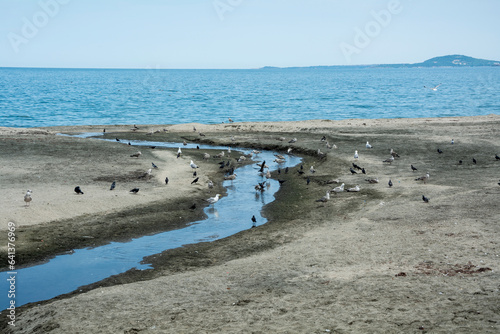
x,y
213,200
324,198
356,156
368,145
355,189
435,88
193,165
338,189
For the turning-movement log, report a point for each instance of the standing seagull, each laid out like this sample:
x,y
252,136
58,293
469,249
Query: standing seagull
x,y
27,197
356,156
424,178
368,145
213,200
390,160
312,170
78,190
338,189
179,152
325,198
113,185
394,154
193,165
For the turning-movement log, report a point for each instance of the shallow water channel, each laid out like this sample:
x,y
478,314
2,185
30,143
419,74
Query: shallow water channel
x,y
231,214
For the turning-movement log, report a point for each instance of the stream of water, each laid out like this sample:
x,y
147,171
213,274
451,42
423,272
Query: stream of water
x,y
231,214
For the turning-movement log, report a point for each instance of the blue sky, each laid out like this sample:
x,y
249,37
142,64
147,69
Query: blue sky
x,y
243,33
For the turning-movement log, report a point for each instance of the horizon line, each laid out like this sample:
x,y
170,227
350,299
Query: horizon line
x,y
249,68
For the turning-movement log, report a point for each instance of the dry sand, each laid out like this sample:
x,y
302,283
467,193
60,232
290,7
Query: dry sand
x,y
377,261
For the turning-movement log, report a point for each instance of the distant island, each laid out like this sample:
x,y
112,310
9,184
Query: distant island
x,y
443,61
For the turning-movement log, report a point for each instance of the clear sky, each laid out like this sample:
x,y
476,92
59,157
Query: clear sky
x,y
243,33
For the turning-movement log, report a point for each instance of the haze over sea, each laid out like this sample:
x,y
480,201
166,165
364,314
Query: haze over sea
x,y
32,97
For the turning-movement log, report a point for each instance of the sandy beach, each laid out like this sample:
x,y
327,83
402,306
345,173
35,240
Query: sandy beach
x,y
380,260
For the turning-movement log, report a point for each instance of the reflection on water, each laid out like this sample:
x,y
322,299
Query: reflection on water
x,y
212,211
231,214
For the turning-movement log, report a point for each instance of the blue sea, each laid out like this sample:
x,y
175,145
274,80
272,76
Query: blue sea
x,y
31,97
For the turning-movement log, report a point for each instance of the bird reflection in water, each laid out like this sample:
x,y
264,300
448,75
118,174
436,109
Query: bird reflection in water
x,y
213,211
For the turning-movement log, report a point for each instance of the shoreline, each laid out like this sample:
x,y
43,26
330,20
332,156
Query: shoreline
x,y
379,217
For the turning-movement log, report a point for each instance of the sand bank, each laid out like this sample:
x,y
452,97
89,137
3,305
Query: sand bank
x,y
379,260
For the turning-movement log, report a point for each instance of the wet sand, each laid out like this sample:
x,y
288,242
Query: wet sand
x,y
379,260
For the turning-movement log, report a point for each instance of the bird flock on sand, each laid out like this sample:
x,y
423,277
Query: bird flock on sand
x,y
357,169
227,166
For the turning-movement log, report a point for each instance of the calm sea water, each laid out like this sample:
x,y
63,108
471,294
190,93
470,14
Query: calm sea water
x,y
51,97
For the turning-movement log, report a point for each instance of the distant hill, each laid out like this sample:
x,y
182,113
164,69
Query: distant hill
x,y
443,61
448,61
